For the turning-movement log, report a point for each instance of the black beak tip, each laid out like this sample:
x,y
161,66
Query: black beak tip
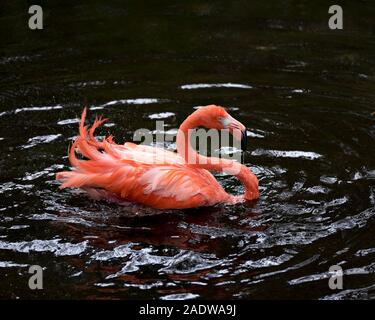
x,y
244,140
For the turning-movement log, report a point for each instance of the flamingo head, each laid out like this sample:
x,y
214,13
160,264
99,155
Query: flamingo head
x,y
217,117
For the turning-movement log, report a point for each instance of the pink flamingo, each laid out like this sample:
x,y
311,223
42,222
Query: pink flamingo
x,y
153,176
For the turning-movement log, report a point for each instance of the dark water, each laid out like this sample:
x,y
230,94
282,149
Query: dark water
x,y
305,92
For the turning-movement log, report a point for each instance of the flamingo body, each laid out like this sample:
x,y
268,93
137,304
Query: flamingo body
x,y
143,174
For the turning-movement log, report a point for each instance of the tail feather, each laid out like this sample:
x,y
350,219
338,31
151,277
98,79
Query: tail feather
x,y
97,123
82,128
101,158
72,156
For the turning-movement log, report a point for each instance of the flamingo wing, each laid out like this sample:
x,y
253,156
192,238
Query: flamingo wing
x,y
166,187
148,154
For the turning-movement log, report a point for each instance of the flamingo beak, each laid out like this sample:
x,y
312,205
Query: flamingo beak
x,y
237,129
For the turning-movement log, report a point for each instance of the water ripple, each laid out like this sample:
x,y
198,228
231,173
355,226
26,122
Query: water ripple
x,y
180,296
32,142
287,154
136,101
56,246
161,115
215,85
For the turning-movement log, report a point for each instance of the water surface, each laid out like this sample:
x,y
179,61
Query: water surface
x,y
305,92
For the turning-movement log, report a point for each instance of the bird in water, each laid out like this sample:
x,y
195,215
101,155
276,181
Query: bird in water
x,y
156,177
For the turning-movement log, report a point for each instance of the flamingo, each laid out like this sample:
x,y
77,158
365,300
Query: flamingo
x,y
156,177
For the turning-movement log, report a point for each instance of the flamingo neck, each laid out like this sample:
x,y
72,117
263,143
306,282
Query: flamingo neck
x,y
193,158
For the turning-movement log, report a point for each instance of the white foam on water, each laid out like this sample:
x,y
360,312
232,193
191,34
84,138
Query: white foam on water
x,y
68,121
32,142
133,101
214,85
55,246
45,108
180,296
10,264
287,154
161,115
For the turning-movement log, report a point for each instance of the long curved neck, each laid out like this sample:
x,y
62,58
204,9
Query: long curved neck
x,y
193,158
